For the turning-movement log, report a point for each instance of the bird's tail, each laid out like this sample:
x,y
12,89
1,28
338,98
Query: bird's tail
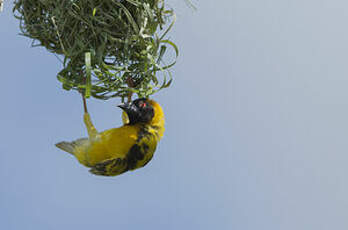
x,y
71,146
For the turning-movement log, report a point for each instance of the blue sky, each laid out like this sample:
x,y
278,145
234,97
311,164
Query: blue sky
x,y
256,132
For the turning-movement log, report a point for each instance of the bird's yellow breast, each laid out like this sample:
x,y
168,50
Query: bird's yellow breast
x,y
112,143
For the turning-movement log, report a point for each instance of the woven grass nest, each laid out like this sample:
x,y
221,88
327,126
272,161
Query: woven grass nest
x,y
109,48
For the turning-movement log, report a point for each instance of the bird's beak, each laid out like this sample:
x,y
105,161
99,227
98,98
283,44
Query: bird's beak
x,y
131,111
125,106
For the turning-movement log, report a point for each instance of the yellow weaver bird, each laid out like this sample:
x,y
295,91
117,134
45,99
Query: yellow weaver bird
x,y
131,146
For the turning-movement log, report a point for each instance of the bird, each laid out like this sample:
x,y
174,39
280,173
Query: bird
x,y
118,150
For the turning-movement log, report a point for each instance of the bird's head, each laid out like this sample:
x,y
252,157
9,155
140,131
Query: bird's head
x,y
141,110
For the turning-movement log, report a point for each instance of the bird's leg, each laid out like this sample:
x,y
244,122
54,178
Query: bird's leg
x,y
92,132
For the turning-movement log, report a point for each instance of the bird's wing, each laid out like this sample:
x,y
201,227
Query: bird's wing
x,y
110,167
138,156
107,155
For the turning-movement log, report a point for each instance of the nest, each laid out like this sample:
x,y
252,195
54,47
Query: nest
x,y
110,48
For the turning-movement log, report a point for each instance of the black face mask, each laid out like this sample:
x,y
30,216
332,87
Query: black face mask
x,y
139,111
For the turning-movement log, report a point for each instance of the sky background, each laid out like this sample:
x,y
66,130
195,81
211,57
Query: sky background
x,y
256,128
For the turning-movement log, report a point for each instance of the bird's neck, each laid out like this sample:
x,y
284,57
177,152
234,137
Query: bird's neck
x,y
157,122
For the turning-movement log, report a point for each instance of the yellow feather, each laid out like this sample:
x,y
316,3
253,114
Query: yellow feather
x,y
112,151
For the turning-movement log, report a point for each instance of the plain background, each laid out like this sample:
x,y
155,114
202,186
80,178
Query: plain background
x,y
256,132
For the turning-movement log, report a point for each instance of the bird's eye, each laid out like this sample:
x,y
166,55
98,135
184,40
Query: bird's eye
x,y
142,104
